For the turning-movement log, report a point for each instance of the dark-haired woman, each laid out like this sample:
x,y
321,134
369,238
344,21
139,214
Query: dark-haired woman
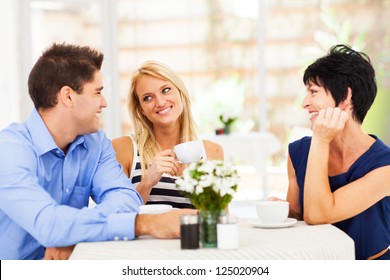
x,y
341,175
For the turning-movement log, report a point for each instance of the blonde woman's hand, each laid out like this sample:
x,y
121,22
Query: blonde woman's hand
x,y
329,123
164,162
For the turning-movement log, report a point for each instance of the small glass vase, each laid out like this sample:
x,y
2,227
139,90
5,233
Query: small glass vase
x,y
227,129
208,228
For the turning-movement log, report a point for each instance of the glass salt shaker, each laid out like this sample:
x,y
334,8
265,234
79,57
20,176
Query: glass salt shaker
x,y
227,232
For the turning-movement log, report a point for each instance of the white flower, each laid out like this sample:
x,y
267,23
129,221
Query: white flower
x,y
225,117
216,176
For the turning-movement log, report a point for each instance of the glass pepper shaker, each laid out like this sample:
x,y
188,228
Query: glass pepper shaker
x,y
189,232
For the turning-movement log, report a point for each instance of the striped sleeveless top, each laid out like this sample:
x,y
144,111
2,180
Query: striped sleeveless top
x,y
165,191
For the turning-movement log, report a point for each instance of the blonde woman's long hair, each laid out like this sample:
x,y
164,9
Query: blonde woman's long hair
x,y
143,128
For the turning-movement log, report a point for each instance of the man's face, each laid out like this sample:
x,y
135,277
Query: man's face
x,y
88,105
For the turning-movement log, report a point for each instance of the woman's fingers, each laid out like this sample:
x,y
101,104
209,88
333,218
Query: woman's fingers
x,y
330,122
171,166
166,162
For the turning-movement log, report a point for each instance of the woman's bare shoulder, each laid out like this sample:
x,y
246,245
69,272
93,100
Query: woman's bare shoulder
x,y
124,150
122,143
213,150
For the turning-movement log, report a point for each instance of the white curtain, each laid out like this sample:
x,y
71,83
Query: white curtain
x,y
9,84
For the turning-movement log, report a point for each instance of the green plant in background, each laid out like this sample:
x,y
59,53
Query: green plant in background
x,y
378,117
339,31
227,120
225,96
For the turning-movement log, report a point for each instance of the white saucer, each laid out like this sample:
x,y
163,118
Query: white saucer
x,y
154,208
288,223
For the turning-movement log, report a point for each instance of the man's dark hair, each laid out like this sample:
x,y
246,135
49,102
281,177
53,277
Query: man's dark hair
x,y
62,65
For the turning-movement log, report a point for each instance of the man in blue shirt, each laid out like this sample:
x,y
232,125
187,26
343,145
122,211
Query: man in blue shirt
x,y
52,163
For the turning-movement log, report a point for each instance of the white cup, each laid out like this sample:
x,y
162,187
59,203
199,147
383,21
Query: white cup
x,y
154,208
272,212
190,151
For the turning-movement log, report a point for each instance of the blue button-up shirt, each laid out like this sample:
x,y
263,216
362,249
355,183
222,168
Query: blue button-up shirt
x,y
44,193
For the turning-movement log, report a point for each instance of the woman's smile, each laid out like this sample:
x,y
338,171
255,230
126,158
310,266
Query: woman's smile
x,y
164,111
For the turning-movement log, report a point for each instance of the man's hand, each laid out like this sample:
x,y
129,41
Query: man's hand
x,y
58,253
166,225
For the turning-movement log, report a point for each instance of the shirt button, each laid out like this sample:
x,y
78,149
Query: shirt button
x,y
57,151
125,238
67,190
116,238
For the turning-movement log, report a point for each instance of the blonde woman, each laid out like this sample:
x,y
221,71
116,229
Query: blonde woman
x,y
160,110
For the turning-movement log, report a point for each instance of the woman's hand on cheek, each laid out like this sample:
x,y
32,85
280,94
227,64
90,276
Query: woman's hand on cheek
x,y
330,123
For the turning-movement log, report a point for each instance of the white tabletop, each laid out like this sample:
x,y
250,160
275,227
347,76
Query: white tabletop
x,y
298,242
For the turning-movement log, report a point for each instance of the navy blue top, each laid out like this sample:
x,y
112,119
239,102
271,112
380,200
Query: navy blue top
x,y
370,229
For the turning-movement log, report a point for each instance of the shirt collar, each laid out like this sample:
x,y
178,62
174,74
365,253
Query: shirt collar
x,y
41,136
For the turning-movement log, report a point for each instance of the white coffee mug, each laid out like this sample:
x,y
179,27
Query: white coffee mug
x,y
272,212
190,151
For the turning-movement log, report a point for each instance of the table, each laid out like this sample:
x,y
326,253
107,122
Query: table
x,y
298,242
